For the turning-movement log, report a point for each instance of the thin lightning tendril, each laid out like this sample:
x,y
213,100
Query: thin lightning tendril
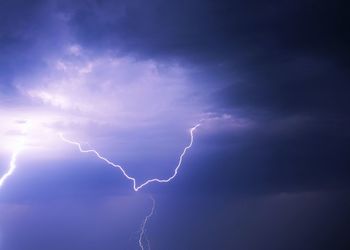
x,y
13,165
135,186
11,169
144,223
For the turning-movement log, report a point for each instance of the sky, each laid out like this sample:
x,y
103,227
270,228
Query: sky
x,y
267,81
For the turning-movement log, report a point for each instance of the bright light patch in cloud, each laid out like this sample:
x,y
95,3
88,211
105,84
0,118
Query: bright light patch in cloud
x,y
78,93
132,111
111,88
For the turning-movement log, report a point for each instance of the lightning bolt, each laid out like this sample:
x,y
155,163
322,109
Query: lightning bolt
x,y
17,150
12,167
135,186
144,223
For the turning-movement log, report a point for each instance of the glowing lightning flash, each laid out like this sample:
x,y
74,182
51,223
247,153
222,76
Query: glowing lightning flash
x,y
15,153
144,223
135,186
12,166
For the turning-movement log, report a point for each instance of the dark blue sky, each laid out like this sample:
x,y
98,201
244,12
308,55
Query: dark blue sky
x,y
269,81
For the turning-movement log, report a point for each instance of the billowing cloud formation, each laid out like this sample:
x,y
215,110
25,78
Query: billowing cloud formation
x,y
115,88
138,110
79,92
269,78
276,68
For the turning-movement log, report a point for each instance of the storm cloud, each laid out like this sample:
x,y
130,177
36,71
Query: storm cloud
x,y
268,80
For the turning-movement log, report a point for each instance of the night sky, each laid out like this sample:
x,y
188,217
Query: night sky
x,y
268,82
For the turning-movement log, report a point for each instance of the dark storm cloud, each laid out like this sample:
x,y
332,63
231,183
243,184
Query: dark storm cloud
x,y
17,20
287,56
263,161
223,29
282,64
278,60
276,55
280,182
310,220
29,30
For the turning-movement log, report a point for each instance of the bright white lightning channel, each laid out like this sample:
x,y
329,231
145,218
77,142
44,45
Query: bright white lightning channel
x,y
144,223
135,186
12,167
18,148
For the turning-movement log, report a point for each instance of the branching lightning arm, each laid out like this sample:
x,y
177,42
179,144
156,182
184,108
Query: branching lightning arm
x,y
135,186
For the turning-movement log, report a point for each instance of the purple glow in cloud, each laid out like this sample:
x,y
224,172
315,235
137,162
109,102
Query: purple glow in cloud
x,y
119,102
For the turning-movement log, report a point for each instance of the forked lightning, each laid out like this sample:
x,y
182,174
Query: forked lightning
x,y
135,186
